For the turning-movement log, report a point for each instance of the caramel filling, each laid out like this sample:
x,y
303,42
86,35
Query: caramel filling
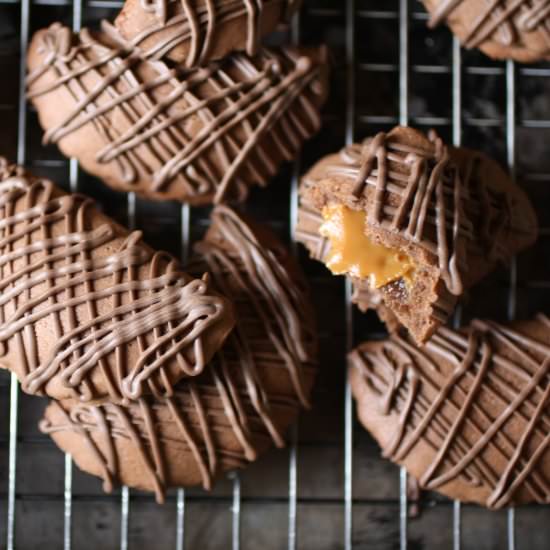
x,y
353,253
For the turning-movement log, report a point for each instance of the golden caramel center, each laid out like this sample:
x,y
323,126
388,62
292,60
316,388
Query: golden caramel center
x,y
353,253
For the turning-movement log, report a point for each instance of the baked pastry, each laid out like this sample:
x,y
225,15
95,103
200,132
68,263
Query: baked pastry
x,y
195,33
502,29
87,310
239,407
198,136
468,415
413,222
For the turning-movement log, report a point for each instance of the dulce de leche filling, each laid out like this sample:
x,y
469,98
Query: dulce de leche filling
x,y
353,253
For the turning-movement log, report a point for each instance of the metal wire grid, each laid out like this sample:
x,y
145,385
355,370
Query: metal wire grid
x,y
352,11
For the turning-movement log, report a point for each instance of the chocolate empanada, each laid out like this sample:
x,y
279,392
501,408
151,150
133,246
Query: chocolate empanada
x,y
89,311
467,415
239,407
414,223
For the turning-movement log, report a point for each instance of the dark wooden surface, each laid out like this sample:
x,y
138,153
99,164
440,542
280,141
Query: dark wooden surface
x,y
264,506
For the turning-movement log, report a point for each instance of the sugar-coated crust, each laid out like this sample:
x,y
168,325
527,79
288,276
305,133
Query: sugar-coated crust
x,y
195,33
240,406
468,415
454,212
88,310
502,29
168,133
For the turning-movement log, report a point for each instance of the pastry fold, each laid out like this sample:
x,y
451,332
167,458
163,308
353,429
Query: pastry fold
x,y
166,132
468,415
195,33
454,214
239,407
87,310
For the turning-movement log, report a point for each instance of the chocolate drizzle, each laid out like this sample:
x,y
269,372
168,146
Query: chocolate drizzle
x,y
194,135
476,403
88,307
242,403
432,196
263,284
181,22
418,192
499,20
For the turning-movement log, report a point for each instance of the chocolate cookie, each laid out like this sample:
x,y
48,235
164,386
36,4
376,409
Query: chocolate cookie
x,y
413,222
239,407
468,415
87,310
198,136
503,29
195,33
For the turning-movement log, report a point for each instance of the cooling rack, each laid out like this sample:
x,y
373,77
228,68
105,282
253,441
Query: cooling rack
x,y
329,489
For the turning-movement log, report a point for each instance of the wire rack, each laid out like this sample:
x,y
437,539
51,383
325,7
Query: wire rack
x,y
329,489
